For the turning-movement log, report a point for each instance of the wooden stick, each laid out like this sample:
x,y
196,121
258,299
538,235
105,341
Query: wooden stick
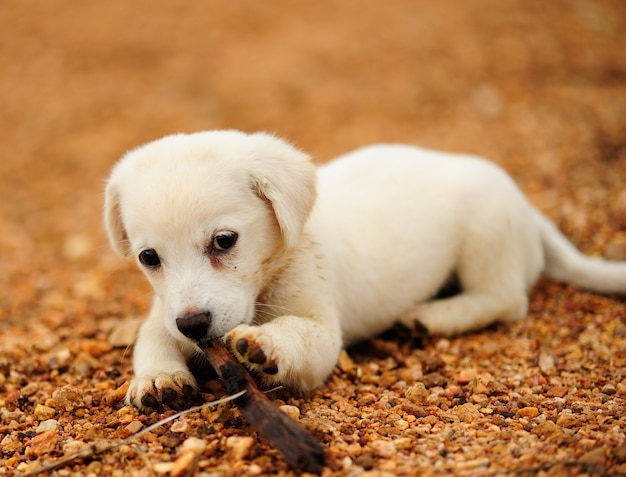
x,y
298,447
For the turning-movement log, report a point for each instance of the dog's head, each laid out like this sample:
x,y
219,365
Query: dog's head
x,y
205,215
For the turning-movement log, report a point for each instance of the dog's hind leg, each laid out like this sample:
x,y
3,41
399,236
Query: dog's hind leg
x,y
467,311
497,264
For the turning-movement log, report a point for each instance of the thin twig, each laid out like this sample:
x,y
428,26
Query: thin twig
x,y
94,449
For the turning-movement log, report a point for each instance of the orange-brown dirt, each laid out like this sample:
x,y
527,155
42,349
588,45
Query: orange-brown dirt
x,y
537,86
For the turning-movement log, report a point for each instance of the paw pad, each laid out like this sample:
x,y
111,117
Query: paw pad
x,y
149,401
271,368
257,356
252,353
169,396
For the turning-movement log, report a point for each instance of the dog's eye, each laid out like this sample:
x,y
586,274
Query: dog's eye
x,y
149,258
223,241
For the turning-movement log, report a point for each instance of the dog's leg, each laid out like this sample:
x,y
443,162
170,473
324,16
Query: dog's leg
x,y
495,269
298,352
161,372
467,311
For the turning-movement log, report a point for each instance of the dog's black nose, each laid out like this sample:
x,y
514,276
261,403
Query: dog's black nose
x,y
194,326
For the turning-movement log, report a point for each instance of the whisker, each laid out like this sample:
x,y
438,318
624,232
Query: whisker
x,y
266,311
283,309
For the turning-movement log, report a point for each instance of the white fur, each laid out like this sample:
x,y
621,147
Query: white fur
x,y
391,226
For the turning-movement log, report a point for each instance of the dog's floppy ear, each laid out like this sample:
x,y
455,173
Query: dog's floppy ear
x,y
284,176
113,219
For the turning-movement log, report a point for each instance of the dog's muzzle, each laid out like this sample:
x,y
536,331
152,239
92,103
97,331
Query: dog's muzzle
x,y
194,326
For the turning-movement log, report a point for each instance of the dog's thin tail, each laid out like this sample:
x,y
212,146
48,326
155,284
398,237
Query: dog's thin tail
x,y
563,262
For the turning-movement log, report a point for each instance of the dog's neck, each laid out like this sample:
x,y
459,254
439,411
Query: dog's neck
x,y
278,278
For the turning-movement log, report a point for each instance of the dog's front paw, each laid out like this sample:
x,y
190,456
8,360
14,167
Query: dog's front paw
x,y
175,390
255,350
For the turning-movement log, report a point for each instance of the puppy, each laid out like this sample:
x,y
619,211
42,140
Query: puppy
x,y
242,238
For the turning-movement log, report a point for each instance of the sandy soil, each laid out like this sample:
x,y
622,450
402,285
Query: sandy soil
x,y
539,87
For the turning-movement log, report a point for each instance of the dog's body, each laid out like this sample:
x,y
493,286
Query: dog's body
x,y
228,230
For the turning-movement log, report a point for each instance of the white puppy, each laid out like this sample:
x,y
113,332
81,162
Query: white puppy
x,y
228,230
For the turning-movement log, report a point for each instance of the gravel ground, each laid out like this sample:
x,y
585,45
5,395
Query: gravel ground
x,y
539,87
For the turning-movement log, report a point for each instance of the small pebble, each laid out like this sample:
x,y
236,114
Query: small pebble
x,y
193,444
567,420
180,426
126,418
239,446
117,395
43,443
48,425
528,412
401,424
609,389
383,448
185,464
345,361
546,362
30,389
477,386
74,447
67,398
558,391
547,430
96,348
452,391
134,427
292,411
418,394
465,376
403,443
467,412
42,412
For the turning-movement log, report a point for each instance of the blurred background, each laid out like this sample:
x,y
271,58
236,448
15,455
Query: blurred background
x,y
539,87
